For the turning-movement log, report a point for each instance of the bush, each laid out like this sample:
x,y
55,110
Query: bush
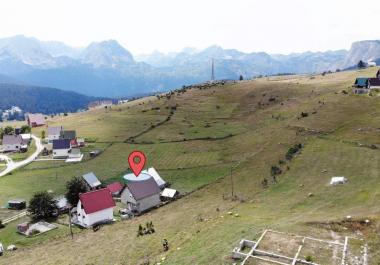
x,y
292,151
309,258
1,224
275,170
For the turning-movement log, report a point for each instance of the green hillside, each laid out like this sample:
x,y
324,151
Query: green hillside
x,y
194,138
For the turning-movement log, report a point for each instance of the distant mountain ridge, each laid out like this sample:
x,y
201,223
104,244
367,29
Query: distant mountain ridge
x,y
41,99
108,69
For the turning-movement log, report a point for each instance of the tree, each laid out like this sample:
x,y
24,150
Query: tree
x,y
241,77
42,206
26,129
43,134
361,64
74,187
9,130
1,133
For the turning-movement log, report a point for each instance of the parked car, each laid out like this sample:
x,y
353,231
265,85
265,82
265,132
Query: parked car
x,y
126,214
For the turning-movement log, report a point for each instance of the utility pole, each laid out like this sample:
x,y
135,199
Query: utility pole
x,y
71,229
212,70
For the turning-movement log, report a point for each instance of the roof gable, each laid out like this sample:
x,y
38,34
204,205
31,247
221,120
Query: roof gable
x,y
97,200
144,188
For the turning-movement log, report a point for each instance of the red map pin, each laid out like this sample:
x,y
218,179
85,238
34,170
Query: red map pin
x,y
136,162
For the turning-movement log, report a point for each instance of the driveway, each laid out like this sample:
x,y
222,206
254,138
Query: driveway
x,y
11,165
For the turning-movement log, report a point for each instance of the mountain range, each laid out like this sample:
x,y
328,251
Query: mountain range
x,y
108,69
41,99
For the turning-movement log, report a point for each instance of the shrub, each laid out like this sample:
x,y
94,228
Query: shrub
x,y
309,258
292,151
1,224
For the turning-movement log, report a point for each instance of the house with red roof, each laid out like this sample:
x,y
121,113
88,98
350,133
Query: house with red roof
x,y
94,207
35,120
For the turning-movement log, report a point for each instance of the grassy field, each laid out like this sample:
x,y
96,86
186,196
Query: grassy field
x,y
248,126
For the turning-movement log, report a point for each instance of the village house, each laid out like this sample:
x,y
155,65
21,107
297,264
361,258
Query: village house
x,y
61,148
140,196
54,133
68,134
13,143
94,207
35,120
92,181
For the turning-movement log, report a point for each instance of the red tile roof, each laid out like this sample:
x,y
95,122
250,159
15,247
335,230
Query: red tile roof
x,y
97,200
115,187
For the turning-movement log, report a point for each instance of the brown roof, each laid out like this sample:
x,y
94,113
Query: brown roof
x,y
144,188
38,119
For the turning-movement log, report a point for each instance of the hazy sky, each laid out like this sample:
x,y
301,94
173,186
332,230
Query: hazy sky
x,y
141,26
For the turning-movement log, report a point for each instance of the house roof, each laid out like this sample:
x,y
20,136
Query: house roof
x,y
97,200
68,134
374,81
170,193
61,144
152,171
12,139
37,119
54,130
361,81
115,187
91,180
26,136
143,189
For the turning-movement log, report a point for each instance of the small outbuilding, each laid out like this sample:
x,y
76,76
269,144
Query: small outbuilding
x,y
18,204
338,180
92,181
115,188
169,194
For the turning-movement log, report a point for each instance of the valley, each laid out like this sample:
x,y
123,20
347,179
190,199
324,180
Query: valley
x,y
216,145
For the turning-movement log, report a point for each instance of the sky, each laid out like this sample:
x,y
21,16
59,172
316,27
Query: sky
x,y
142,26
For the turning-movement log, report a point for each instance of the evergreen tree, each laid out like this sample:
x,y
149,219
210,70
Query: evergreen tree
x,y
74,187
42,206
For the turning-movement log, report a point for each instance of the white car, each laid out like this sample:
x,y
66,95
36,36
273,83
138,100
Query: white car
x,y
1,249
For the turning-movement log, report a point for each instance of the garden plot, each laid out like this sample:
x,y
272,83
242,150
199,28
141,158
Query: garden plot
x,y
274,247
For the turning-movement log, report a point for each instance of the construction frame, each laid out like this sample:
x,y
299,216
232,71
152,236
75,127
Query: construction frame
x,y
289,253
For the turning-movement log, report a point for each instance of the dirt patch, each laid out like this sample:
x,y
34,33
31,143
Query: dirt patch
x,y
353,225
